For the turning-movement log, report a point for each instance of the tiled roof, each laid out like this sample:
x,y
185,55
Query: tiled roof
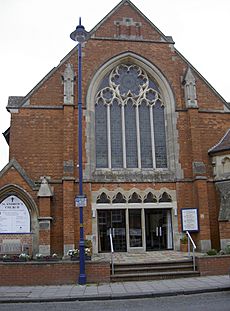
x,y
222,145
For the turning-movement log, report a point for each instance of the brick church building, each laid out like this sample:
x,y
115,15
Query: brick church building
x,y
156,148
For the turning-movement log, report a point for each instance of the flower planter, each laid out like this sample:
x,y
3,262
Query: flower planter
x,y
14,260
77,258
183,247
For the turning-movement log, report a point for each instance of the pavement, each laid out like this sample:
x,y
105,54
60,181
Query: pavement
x,y
122,290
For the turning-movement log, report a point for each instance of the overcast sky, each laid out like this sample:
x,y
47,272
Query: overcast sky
x,y
34,37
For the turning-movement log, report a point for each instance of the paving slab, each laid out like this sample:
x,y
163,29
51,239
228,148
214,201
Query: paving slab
x,y
121,290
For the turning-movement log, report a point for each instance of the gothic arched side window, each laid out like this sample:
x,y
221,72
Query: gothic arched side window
x,y
129,121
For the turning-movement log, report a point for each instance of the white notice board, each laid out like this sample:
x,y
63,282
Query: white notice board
x,y
189,219
14,216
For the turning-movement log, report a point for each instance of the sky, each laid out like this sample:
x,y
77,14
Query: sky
x,y
34,37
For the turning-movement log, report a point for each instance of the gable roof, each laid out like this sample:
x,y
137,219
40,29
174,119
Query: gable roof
x,y
13,163
16,102
222,145
117,7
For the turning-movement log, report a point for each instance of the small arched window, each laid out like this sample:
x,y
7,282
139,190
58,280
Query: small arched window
x,y
103,199
119,198
129,120
134,198
165,198
150,198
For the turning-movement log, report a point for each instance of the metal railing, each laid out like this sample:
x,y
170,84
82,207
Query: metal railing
x,y
112,249
190,241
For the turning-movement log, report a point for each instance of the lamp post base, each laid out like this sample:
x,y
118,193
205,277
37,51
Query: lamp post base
x,y
82,279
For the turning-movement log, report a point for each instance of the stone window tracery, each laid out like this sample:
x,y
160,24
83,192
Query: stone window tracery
x,y
121,197
165,197
129,121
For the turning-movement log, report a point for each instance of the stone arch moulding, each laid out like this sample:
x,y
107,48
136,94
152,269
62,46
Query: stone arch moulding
x,y
110,195
174,168
24,196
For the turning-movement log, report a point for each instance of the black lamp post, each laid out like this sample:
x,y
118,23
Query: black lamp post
x,y
80,35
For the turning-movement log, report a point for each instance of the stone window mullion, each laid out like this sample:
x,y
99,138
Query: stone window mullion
x,y
138,137
123,135
152,136
109,137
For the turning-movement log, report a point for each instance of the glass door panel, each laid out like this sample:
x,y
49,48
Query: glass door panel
x,y
135,230
158,229
111,221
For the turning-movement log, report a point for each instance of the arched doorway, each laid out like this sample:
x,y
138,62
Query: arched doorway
x,y
19,226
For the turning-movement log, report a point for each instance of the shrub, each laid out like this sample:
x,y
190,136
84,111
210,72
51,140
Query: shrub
x,y
184,239
212,252
227,249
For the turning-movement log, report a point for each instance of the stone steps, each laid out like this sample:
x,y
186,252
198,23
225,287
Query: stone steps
x,y
153,271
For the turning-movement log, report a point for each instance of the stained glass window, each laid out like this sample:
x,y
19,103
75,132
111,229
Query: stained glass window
x,y
129,121
116,135
145,136
101,137
131,135
159,135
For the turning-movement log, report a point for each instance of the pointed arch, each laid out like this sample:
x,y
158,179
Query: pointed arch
x,y
135,198
169,112
103,199
12,189
119,198
150,198
165,197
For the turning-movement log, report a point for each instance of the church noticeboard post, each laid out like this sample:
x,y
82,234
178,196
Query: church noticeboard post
x,y
189,219
14,216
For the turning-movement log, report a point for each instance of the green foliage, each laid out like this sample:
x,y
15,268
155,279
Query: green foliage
x,y
88,244
184,239
227,250
212,252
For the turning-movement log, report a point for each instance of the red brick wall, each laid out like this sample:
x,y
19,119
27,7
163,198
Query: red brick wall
x,y
52,273
214,265
36,139
224,229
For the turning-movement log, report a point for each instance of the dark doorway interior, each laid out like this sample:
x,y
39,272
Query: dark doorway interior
x,y
112,221
158,228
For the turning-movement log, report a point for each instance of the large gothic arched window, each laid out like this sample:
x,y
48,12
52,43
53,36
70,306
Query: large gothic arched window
x,y
129,120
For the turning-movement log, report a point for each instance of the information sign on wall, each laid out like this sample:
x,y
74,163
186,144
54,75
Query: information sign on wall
x,y
189,219
14,216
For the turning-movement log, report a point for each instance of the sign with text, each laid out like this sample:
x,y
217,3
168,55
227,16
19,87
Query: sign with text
x,y
81,201
14,216
189,219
